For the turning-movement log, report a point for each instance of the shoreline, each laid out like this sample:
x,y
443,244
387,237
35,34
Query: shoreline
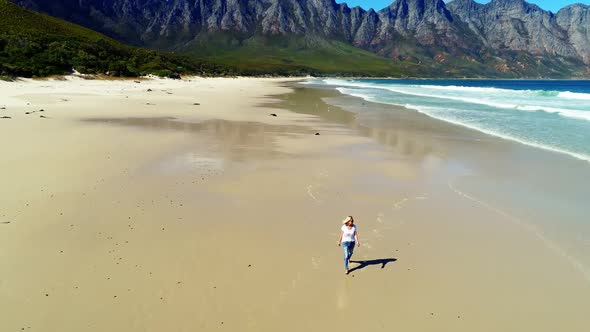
x,y
488,132
92,77
162,214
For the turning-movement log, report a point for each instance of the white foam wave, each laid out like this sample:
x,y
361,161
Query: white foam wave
x,y
357,94
576,114
431,113
570,113
469,89
458,88
479,101
574,95
353,84
409,90
332,81
418,94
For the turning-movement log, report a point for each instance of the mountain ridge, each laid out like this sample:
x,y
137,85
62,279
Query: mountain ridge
x,y
460,38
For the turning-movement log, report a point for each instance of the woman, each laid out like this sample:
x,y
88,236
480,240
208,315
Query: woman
x,y
348,238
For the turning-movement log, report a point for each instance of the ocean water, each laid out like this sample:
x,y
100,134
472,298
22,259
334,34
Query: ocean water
x,y
552,115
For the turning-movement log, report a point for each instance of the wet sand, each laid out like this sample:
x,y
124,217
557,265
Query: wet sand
x,y
124,216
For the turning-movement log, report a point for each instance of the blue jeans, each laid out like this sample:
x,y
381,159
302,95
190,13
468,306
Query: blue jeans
x,y
348,250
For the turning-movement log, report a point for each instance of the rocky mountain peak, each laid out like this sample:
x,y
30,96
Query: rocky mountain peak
x,y
576,7
575,19
411,15
417,7
456,5
508,3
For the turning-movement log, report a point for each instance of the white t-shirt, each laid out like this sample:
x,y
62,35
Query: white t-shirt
x,y
348,234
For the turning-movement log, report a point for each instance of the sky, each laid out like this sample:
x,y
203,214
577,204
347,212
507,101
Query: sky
x,y
552,5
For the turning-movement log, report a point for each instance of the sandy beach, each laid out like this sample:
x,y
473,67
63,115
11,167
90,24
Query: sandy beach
x,y
186,205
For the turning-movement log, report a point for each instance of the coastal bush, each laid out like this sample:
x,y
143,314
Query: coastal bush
x,y
33,44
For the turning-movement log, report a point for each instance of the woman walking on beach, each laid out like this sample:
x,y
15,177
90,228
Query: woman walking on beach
x,y
348,238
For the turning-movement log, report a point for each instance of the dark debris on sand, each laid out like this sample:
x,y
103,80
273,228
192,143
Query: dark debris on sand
x,y
31,112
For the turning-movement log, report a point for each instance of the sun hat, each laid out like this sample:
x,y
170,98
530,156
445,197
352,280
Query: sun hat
x,y
347,219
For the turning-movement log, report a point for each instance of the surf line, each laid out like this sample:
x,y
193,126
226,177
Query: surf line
x,y
530,228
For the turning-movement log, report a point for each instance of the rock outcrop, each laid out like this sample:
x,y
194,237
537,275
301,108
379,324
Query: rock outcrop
x,y
575,20
515,25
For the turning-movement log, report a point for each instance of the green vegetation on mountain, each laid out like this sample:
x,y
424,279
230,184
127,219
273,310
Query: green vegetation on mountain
x,y
33,44
292,54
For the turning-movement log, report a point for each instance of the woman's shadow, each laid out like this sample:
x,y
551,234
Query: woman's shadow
x,y
363,264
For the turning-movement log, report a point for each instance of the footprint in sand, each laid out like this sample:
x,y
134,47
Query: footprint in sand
x,y
322,174
377,233
399,204
380,217
312,194
315,262
283,294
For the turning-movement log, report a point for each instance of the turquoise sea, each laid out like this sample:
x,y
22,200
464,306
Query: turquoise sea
x,y
548,114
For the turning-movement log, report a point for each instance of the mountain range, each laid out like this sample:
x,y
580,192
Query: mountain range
x,y
503,38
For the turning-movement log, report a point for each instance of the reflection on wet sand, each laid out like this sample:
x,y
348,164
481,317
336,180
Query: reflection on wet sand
x,y
408,133
237,141
405,137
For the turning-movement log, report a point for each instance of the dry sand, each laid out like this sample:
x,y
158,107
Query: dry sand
x,y
129,210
